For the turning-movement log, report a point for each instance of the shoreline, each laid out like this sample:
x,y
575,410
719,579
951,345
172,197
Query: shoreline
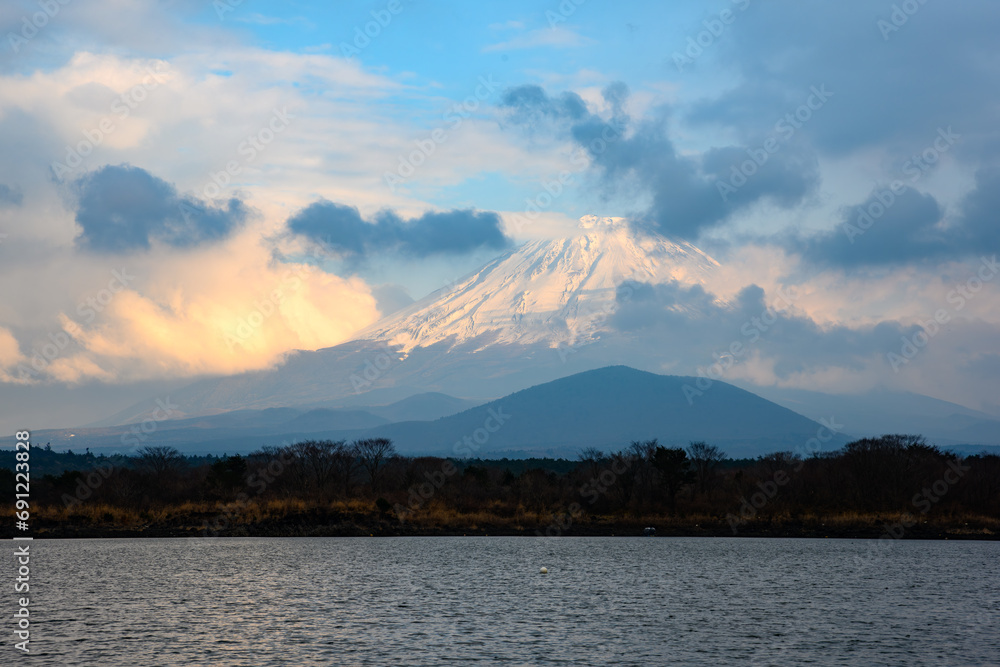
x,y
830,528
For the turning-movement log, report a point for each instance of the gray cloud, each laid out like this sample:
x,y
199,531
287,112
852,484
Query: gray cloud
x,y
124,208
10,196
530,105
391,298
890,92
978,223
689,193
907,226
872,233
450,232
676,317
895,82
893,94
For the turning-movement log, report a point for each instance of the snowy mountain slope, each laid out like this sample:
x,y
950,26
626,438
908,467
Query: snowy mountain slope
x,y
503,328
493,332
547,292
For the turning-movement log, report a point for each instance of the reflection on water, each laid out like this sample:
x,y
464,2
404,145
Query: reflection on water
x,y
457,601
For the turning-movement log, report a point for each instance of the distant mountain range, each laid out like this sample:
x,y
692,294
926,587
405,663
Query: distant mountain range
x,y
605,408
943,423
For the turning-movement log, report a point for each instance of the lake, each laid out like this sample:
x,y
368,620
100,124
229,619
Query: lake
x,y
482,601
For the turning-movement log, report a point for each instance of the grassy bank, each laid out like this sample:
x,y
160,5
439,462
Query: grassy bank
x,y
293,518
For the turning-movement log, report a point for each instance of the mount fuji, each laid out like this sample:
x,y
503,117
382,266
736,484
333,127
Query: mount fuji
x,y
540,313
549,292
529,316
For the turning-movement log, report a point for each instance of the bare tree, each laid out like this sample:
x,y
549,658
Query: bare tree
x,y
124,488
160,460
325,463
373,454
624,465
594,459
706,459
642,456
675,471
345,463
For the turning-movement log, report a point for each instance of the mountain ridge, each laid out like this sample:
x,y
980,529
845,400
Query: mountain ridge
x,y
605,408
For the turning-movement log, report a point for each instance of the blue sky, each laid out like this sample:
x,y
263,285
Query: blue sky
x,y
847,149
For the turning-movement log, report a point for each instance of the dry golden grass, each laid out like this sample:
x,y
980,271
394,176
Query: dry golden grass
x,y
438,516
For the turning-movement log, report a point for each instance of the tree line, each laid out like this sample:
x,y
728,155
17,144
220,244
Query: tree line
x,y
891,473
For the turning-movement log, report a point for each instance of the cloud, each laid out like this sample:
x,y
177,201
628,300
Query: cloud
x,y
892,91
871,233
831,333
529,105
125,208
237,311
902,225
262,19
114,26
689,193
676,317
978,223
556,38
10,355
343,230
391,298
10,196
508,25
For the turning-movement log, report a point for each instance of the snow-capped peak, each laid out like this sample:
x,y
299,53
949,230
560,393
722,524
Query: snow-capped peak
x,y
552,291
595,222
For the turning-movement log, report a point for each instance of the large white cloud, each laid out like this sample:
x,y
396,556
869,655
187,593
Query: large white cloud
x,y
214,310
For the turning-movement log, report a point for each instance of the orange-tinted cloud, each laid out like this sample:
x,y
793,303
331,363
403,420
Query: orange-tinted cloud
x,y
208,312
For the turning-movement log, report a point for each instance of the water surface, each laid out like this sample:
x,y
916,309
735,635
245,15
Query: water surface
x,y
482,601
